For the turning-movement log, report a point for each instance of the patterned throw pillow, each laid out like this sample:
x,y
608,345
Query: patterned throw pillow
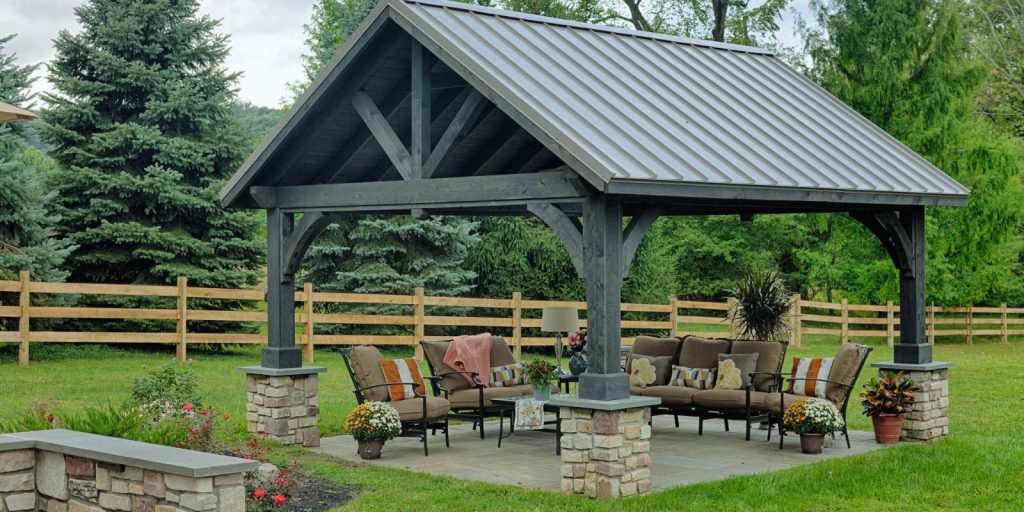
x,y
700,378
508,375
810,368
402,370
654,371
734,370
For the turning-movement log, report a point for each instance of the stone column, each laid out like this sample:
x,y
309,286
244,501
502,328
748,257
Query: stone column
x,y
284,404
606,447
929,418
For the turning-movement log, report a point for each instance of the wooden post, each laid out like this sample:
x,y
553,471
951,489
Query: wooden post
x,y
673,316
307,311
931,324
419,320
25,301
1003,335
970,325
517,324
844,328
731,317
795,336
182,331
890,324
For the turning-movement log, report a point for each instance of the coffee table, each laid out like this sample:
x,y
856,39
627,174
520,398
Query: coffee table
x,y
507,405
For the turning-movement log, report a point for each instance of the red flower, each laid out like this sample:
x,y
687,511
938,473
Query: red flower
x,y
283,481
195,431
203,412
188,407
226,416
248,457
50,417
279,499
259,494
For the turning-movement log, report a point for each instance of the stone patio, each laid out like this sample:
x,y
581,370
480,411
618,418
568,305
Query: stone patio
x,y
527,458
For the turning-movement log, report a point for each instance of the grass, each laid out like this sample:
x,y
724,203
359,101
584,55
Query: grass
x,y
977,467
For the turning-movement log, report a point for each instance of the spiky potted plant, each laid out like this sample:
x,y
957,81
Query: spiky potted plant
x,y
761,310
887,401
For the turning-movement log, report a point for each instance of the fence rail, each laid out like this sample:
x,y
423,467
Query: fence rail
x,y
515,317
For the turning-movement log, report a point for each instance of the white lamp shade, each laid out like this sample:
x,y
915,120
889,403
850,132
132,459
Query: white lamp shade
x,y
559,319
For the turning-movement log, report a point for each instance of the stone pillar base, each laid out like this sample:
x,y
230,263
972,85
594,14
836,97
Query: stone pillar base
x,y
283,404
606,453
929,418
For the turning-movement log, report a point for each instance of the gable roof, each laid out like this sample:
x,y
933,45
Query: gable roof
x,y
649,114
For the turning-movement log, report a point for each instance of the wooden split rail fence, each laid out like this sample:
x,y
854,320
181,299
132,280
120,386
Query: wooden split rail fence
x,y
516,318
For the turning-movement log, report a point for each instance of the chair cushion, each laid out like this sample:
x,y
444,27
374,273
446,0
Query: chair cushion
x,y
770,356
700,352
508,375
730,399
809,368
672,395
845,369
734,370
501,353
636,390
772,401
654,347
699,378
412,409
365,362
402,370
470,398
434,352
654,372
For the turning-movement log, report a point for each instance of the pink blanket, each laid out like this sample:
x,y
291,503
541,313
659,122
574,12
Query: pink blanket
x,y
471,354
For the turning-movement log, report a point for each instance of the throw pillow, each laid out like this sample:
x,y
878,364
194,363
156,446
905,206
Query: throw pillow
x,y
402,370
653,371
700,378
508,375
734,370
810,368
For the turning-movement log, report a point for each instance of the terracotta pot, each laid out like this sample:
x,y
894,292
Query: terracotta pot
x,y
812,443
370,449
887,428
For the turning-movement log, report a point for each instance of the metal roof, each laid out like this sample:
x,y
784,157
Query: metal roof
x,y
647,114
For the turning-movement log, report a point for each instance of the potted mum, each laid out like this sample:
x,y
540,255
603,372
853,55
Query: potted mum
x,y
813,419
887,401
372,423
577,345
541,375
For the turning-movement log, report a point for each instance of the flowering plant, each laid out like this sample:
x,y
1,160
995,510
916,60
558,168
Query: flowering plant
x,y
373,420
893,394
540,373
578,341
812,416
202,425
272,494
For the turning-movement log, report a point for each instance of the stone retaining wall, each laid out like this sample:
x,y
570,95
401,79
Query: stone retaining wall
x,y
284,408
17,480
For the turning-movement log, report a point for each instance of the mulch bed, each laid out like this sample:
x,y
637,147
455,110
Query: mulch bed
x,y
316,495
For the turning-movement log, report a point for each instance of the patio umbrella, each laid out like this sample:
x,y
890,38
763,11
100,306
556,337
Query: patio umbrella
x,y
9,112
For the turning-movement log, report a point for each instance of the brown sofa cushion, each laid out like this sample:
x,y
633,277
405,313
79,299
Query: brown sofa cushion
x,y
654,347
434,352
365,362
772,401
672,395
412,409
501,353
732,399
844,369
770,355
700,352
470,398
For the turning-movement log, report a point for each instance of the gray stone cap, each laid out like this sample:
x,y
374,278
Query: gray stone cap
x,y
282,372
154,457
927,367
10,442
633,402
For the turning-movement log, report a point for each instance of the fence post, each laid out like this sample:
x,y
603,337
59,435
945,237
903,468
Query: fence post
x,y
517,324
844,328
931,324
419,321
890,324
182,330
970,325
729,314
307,310
795,336
25,301
1003,335
673,316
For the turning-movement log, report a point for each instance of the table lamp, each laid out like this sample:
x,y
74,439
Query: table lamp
x,y
559,319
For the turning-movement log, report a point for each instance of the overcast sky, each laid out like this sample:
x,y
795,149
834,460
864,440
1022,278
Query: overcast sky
x,y
266,38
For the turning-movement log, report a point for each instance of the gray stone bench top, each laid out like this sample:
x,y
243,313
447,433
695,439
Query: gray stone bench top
x,y
154,457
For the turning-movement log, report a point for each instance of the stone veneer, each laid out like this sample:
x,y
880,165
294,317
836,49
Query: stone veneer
x,y
17,480
285,408
606,454
929,418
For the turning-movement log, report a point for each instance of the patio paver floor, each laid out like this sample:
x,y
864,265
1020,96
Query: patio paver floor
x,y
527,458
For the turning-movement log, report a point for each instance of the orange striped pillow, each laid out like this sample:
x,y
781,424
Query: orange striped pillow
x,y
402,370
810,368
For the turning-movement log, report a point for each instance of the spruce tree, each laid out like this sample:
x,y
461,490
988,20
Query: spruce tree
x,y
141,124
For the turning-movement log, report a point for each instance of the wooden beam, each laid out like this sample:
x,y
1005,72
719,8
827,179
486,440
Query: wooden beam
x,y
438,108
894,238
634,233
568,229
419,145
310,225
511,189
383,133
469,112
913,347
281,351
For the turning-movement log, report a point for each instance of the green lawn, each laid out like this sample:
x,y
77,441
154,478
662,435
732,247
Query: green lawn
x,y
978,467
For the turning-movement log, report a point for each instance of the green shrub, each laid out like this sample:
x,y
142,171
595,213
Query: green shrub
x,y
124,421
165,390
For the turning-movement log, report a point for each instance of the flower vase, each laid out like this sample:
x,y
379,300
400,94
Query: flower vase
x,y
542,393
578,363
812,443
369,449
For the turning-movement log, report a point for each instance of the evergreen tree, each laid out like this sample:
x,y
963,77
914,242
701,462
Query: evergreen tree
x,y
141,124
27,220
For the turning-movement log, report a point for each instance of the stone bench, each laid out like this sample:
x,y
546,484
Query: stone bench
x,y
68,471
